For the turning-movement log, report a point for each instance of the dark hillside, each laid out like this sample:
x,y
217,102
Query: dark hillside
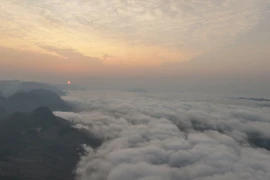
x,y
39,145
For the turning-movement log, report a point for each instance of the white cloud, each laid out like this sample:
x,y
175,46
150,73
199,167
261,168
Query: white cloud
x,y
148,138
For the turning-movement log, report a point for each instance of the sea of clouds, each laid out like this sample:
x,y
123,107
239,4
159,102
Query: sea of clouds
x,y
165,137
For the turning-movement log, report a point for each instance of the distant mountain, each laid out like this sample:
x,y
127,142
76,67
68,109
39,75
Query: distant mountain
x,y
39,145
8,88
3,113
255,99
1,98
28,101
70,87
137,90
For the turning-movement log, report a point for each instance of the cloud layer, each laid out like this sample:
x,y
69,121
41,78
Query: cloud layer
x,y
161,30
147,138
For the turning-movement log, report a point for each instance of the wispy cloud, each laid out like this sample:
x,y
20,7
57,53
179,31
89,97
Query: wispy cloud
x,y
73,55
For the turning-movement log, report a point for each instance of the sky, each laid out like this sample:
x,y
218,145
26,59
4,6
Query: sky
x,y
127,40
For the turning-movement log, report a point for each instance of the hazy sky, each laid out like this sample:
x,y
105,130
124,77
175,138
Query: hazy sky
x,y
69,39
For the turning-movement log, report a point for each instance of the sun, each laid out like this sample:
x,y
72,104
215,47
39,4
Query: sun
x,y
69,82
